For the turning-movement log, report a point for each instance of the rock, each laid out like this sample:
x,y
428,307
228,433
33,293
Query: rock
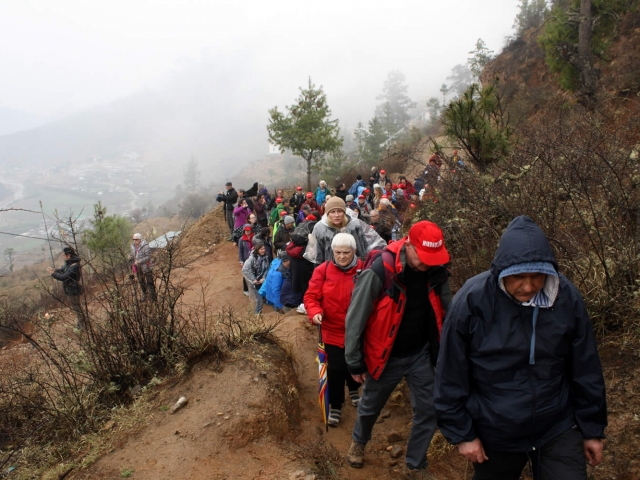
x,y
226,417
264,374
396,451
255,379
206,250
136,390
394,437
311,476
109,425
220,414
393,463
207,424
385,414
389,448
182,401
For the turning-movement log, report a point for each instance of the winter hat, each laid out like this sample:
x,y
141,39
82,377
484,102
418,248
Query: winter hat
x,y
284,256
335,202
400,192
288,220
349,198
428,241
257,242
529,267
376,185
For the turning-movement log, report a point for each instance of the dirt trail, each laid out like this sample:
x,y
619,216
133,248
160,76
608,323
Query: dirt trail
x,y
221,433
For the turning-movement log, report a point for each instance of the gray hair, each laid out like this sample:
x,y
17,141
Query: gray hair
x,y
343,240
385,202
137,236
323,183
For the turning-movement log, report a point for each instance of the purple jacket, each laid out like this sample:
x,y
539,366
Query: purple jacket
x,y
241,214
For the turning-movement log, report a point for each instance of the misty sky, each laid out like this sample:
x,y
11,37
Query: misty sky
x,y
61,56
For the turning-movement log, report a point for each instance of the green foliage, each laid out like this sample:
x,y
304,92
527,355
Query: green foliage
x,y
479,122
531,14
306,129
479,58
560,34
460,79
110,237
394,111
374,141
194,205
433,107
192,176
335,164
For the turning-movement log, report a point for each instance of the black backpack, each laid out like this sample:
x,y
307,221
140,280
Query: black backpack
x,y
300,235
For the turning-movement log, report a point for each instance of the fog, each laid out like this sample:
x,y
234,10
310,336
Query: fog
x,y
171,79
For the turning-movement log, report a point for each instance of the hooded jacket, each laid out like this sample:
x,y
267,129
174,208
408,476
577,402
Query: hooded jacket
x,y
142,254
513,379
323,234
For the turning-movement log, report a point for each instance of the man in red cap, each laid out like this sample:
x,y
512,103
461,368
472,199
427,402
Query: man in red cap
x,y
392,332
311,201
297,200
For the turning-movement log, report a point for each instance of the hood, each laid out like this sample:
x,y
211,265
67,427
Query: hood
x,y
325,220
72,260
523,241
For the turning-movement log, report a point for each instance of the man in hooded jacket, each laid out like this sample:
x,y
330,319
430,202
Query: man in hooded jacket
x,y
519,377
71,277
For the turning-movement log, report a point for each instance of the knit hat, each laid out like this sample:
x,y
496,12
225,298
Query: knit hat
x,y
529,267
400,192
288,220
335,202
349,198
257,242
284,256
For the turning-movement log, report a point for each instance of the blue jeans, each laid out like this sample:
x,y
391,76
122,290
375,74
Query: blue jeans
x,y
419,373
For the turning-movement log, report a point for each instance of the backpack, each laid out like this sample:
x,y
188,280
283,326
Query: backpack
x,y
300,235
419,184
384,271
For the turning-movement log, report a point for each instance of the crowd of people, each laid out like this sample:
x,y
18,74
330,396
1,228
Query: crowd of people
x,y
518,378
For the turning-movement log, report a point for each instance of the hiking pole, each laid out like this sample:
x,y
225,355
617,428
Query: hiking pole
x,y
47,230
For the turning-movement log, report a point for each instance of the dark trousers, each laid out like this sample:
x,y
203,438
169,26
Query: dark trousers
x,y
76,305
147,284
337,375
230,220
244,285
560,459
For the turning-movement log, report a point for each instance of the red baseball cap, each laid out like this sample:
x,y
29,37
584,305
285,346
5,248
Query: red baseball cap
x,y
384,196
248,227
283,213
402,186
394,186
383,172
278,200
361,196
426,237
299,189
311,217
366,190
309,195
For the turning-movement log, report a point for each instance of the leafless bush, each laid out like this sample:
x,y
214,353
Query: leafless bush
x,y
577,177
61,382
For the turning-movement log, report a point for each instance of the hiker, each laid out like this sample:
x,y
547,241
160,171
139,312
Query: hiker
x,y
392,330
274,201
353,191
321,192
382,227
377,196
302,215
350,202
374,177
140,259
260,209
230,198
313,205
283,235
520,379
341,191
383,179
301,268
272,286
406,185
265,236
254,271
334,221
71,277
243,195
241,213
245,245
297,200
327,301
252,220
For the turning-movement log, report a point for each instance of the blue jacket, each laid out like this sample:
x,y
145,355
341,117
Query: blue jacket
x,y
354,188
321,195
488,385
270,289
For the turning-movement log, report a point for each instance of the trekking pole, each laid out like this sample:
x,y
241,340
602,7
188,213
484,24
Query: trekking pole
x,y
47,230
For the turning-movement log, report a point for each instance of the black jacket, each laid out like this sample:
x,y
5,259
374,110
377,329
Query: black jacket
x,y
71,277
486,385
230,199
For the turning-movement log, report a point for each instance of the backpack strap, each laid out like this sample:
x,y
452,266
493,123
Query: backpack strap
x,y
385,270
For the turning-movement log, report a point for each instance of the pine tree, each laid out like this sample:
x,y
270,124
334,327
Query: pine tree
x,y
109,239
192,176
394,111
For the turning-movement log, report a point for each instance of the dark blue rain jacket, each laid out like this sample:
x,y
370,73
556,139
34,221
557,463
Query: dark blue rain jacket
x,y
486,384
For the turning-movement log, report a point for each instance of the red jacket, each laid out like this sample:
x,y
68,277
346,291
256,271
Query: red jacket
x,y
329,293
383,323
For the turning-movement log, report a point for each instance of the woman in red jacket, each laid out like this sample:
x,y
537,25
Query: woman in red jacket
x,y
327,301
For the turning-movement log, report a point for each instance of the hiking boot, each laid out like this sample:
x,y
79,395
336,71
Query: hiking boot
x,y
354,395
355,456
334,417
417,473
